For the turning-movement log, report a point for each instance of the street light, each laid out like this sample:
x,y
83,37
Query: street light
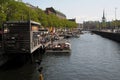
x,y
115,17
115,13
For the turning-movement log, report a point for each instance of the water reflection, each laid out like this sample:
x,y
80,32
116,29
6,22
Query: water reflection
x,y
58,54
92,58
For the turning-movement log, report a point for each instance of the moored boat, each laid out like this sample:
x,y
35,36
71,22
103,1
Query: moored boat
x,y
59,47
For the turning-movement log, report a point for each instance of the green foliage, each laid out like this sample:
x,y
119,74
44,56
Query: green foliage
x,y
2,18
42,17
5,1
11,10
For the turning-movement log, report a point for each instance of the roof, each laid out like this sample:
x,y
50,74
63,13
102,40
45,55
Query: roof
x,y
55,11
58,12
17,22
74,20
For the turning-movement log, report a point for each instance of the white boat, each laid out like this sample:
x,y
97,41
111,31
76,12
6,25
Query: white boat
x,y
59,47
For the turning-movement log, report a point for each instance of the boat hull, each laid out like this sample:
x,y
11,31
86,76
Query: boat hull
x,y
58,51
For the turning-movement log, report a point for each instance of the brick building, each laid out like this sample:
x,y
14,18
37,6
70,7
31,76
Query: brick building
x,y
73,20
51,10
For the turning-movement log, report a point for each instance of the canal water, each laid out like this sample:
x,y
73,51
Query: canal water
x,y
92,58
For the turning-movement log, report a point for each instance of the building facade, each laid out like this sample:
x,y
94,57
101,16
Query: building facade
x,y
19,0
73,20
51,10
31,6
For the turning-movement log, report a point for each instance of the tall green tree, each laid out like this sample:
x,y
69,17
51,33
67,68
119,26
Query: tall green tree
x,y
42,17
11,10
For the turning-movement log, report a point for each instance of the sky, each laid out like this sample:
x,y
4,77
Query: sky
x,y
82,10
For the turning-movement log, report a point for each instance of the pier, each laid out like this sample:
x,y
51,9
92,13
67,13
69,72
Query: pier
x,y
110,35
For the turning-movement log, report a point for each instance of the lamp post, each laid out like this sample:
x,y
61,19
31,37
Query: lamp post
x,y
115,18
115,14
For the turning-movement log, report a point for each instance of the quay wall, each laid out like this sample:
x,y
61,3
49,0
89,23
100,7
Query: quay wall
x,y
109,35
3,57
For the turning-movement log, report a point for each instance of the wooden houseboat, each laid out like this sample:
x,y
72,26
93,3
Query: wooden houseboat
x,y
21,36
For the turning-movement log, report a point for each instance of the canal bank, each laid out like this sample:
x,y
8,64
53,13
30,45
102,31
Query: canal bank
x,y
20,58
109,35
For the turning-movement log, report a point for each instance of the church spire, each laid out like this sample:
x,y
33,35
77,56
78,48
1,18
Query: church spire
x,y
103,18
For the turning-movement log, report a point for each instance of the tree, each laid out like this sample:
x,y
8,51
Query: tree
x,y
42,17
13,10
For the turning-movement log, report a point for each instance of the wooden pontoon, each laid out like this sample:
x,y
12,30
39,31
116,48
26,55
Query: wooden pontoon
x,y
59,47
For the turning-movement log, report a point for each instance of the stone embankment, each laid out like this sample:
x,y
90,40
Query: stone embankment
x,y
110,35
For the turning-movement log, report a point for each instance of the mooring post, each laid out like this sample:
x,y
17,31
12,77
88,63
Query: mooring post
x,y
40,73
32,58
39,52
